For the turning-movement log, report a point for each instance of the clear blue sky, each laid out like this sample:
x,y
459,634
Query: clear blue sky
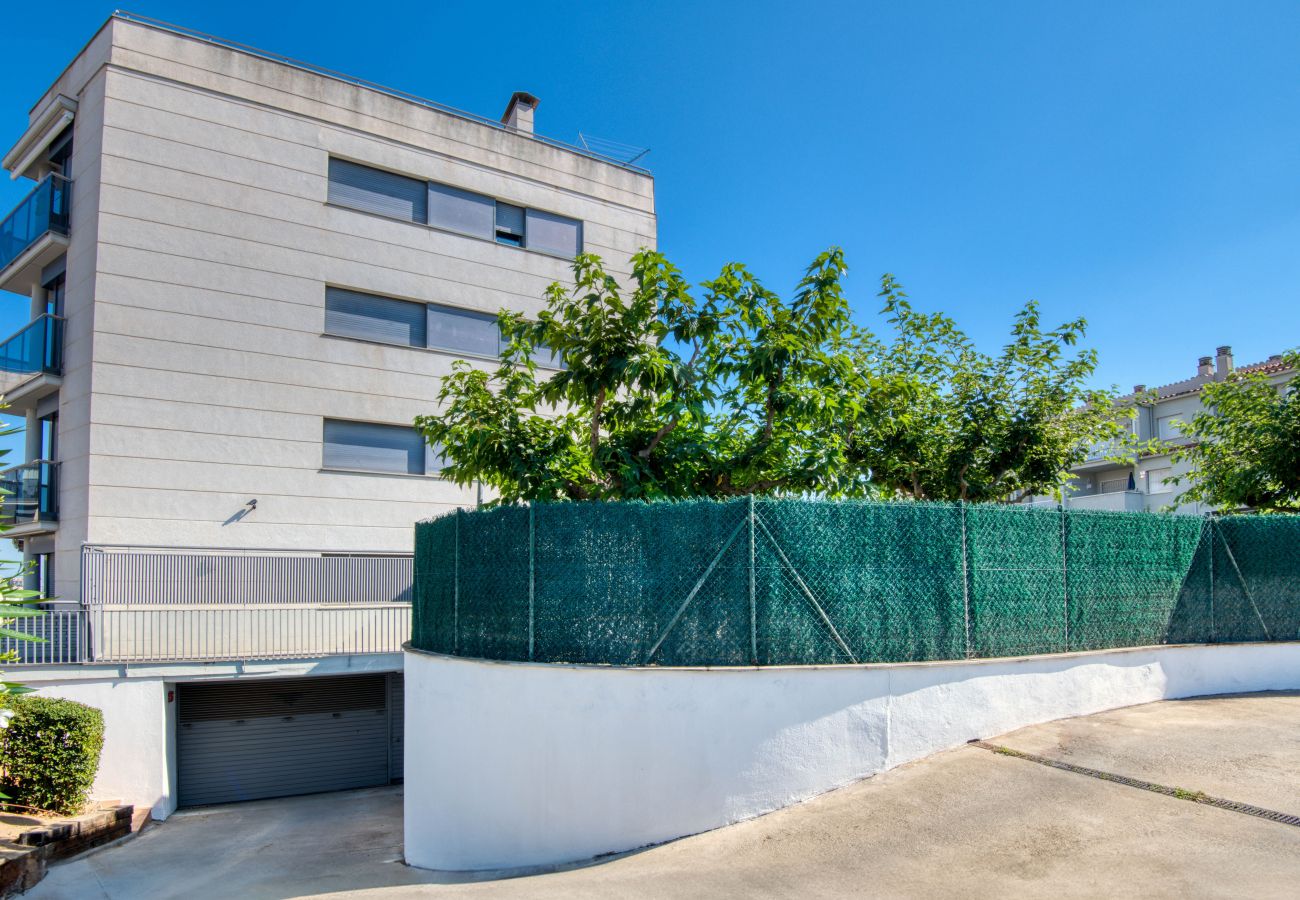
x,y
1136,163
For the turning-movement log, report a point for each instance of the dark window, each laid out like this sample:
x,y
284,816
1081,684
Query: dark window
x,y
377,191
60,153
510,224
49,437
371,318
371,447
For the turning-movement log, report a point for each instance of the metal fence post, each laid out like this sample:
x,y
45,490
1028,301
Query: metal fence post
x,y
532,573
455,596
965,580
753,607
1209,533
1065,575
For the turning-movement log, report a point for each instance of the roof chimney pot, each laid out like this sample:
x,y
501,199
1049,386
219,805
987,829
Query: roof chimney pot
x,y
1205,367
1222,362
519,113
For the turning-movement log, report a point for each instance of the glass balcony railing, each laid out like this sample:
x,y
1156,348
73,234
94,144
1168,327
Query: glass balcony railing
x,y
35,350
31,493
41,212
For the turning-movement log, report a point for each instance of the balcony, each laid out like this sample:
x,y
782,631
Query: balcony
x,y
34,234
31,363
30,504
1113,501
154,605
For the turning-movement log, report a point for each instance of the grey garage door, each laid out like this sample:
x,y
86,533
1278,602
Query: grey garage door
x,y
248,740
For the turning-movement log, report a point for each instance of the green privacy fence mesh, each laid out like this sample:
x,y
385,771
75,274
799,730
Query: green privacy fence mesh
x,y
789,582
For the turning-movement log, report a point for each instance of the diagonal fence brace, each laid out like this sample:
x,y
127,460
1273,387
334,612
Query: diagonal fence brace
x,y
672,623
1244,589
826,620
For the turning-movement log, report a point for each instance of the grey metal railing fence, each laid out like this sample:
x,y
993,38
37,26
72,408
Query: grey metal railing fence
x,y
156,604
61,633
200,577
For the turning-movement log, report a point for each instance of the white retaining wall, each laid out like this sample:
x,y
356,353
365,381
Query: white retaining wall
x,y
516,764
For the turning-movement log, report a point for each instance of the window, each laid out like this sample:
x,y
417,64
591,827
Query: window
x,y
45,574
1169,427
464,331
59,154
443,206
458,210
553,234
1113,485
510,224
1158,480
379,192
371,447
372,318
49,437
407,323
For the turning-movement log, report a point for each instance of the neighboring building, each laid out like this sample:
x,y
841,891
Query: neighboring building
x,y
246,277
1100,483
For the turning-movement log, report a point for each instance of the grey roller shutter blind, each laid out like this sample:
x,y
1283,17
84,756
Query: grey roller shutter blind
x,y
554,234
376,191
371,318
369,447
510,224
461,211
464,331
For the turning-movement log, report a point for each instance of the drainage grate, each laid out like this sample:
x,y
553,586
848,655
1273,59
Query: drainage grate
x,y
1178,793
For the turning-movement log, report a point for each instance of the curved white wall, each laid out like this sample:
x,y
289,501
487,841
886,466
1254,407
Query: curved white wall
x,y
515,764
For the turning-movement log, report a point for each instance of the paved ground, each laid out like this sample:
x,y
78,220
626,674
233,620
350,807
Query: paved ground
x,y
968,823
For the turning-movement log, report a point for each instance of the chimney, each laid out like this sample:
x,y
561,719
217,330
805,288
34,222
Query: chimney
x,y
1205,368
1222,362
1139,388
519,114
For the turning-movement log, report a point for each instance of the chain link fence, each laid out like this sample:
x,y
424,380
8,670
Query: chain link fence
x,y
793,582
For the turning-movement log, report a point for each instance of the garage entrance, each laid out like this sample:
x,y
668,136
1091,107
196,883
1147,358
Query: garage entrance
x,y
259,738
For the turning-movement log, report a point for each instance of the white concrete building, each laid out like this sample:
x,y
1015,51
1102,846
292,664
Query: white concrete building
x,y
246,277
1101,483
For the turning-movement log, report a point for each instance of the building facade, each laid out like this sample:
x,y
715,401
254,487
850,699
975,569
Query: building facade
x,y
1147,483
246,277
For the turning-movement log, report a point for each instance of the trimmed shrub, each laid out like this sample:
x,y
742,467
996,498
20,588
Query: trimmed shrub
x,y
49,754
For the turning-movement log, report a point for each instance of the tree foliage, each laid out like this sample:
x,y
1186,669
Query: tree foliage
x,y
666,392
1245,444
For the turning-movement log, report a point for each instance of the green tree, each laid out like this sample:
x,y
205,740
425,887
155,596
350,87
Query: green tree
x,y
978,427
739,391
1245,444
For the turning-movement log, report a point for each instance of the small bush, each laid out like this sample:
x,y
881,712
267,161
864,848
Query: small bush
x,y
49,754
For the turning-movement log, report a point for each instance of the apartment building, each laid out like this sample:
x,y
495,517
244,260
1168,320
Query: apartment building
x,y
246,276
1147,484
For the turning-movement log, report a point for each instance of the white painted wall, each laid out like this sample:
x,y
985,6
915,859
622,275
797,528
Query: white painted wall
x,y
133,767
512,764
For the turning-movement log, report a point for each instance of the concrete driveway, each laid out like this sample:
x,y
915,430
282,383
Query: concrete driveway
x,y
972,822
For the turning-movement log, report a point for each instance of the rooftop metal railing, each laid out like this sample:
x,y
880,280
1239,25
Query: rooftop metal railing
x,y
370,85
42,211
